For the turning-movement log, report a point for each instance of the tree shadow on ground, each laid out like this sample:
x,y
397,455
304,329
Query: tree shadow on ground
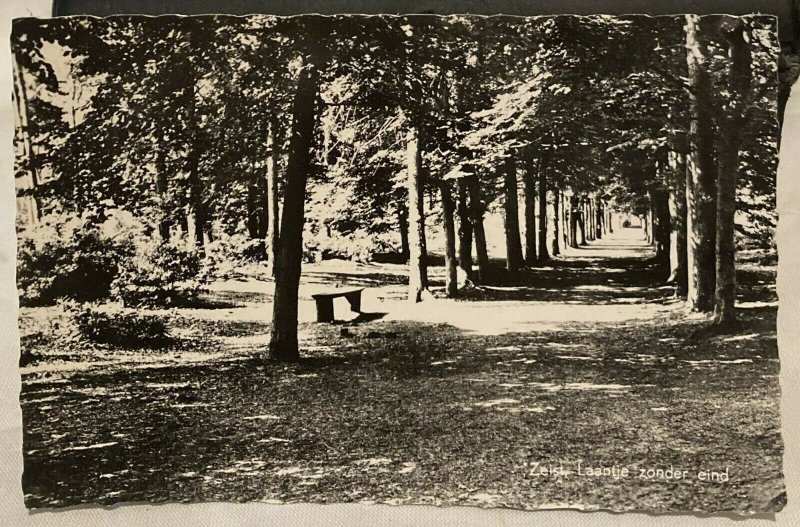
x,y
360,406
355,279
387,388
363,318
579,280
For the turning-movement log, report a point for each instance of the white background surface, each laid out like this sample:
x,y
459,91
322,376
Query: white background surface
x,y
13,512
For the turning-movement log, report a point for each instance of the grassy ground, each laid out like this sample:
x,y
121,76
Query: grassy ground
x,y
449,403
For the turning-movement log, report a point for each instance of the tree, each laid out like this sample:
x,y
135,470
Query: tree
x,y
701,186
283,340
450,263
418,271
272,204
677,210
529,181
728,167
514,259
464,228
544,164
556,250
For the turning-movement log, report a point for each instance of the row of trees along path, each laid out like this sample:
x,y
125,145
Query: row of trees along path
x,y
389,120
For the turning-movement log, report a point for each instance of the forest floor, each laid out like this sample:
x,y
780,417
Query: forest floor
x,y
586,360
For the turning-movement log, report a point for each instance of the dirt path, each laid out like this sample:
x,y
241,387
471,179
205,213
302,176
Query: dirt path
x,y
610,280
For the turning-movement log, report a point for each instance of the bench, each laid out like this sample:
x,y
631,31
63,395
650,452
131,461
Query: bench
x,y
325,302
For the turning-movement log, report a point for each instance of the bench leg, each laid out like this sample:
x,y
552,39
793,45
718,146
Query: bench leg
x,y
355,301
324,310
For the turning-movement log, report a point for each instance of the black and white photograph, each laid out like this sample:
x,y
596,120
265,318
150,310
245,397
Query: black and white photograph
x,y
488,261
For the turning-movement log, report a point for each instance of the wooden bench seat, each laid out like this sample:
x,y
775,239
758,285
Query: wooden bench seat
x,y
324,301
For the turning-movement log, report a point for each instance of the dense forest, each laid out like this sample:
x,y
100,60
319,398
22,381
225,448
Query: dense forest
x,y
157,154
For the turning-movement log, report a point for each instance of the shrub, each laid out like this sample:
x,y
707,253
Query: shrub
x,y
226,254
158,274
67,257
117,326
359,246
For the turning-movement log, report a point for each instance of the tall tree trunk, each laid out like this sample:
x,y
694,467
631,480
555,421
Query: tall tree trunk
x,y
162,189
582,220
402,224
556,247
598,218
728,167
200,219
273,200
196,197
677,212
564,219
418,269
514,260
450,264
251,203
183,223
661,230
283,344
643,219
701,185
464,228
529,181
574,216
476,204
23,126
566,208
542,194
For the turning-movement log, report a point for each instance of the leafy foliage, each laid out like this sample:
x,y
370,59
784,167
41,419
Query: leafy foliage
x,y
158,275
174,120
117,326
68,257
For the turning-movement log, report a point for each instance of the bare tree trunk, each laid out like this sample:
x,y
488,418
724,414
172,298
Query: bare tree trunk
x,y
728,168
183,224
251,203
598,218
574,217
273,200
418,269
529,181
564,219
476,205
701,186
542,180
162,189
582,220
464,228
514,260
283,343
566,208
451,267
677,211
23,123
661,230
200,218
402,224
556,247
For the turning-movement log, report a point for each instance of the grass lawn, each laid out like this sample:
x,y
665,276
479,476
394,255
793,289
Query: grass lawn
x,y
453,402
